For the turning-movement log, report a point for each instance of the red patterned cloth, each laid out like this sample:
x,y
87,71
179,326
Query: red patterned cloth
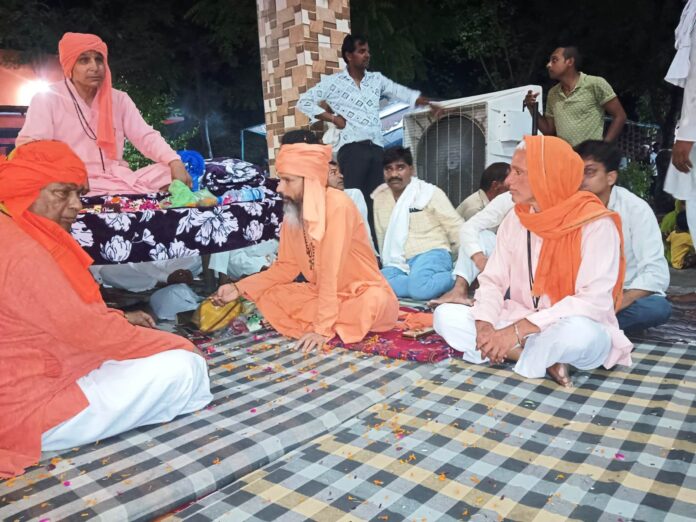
x,y
428,349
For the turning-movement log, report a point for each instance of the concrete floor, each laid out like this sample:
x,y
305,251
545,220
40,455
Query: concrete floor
x,y
682,281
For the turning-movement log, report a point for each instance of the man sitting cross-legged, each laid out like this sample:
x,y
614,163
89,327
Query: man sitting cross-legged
x,y
647,275
72,371
324,238
417,230
559,255
477,233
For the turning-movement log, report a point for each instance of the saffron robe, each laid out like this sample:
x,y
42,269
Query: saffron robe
x,y
345,293
49,338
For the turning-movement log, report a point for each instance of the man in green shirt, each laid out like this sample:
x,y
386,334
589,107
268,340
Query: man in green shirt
x,y
575,106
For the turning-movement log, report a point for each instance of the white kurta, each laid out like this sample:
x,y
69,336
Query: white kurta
x,y
683,185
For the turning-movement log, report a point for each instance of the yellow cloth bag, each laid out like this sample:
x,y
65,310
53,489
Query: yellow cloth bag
x,y
209,317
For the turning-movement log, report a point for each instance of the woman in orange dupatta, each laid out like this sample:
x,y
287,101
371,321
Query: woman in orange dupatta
x,y
560,255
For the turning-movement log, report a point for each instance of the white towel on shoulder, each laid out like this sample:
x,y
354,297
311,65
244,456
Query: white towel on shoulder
x,y
417,195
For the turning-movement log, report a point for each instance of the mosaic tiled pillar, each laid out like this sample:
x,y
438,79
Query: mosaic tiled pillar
x,y
299,40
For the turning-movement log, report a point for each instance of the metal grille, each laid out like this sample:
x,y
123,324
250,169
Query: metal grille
x,y
450,152
636,139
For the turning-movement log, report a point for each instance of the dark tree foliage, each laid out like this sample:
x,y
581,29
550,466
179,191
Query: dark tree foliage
x,y
204,57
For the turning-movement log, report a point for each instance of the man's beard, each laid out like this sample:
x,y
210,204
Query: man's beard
x,y
292,213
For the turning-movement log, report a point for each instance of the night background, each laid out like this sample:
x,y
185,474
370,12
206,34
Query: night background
x,y
200,59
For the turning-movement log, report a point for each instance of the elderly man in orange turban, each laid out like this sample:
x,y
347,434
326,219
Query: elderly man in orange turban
x,y
323,238
560,255
72,371
94,119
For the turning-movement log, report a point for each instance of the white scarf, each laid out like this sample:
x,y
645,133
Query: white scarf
x,y
679,69
417,195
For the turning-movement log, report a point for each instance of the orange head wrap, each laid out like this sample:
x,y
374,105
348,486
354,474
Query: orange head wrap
x,y
555,175
70,47
312,163
32,167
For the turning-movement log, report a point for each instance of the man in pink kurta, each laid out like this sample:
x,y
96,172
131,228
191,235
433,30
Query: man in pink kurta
x,y
541,333
63,114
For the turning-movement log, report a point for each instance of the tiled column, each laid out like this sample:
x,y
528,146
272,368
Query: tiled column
x,y
299,40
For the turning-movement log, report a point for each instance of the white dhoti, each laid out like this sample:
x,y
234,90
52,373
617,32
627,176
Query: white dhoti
x,y
465,267
244,261
124,395
578,341
138,277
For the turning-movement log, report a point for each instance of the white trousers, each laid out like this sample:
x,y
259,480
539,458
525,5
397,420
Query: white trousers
x,y
138,277
578,341
244,261
465,267
124,395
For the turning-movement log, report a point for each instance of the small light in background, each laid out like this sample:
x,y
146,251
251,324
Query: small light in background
x,y
29,89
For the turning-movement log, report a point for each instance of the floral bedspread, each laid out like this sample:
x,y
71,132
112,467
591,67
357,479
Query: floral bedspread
x,y
154,234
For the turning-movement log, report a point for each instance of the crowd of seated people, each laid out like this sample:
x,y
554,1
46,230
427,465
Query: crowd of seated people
x,y
566,263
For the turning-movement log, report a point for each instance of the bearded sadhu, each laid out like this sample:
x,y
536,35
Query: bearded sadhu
x,y
322,237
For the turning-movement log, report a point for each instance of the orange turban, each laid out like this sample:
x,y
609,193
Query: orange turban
x,y
70,47
555,175
312,163
32,167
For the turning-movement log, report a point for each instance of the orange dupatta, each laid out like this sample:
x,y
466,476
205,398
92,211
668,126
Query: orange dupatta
x,y
70,47
555,175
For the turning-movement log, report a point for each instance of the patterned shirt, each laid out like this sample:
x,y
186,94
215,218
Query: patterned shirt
x,y
358,105
579,116
436,226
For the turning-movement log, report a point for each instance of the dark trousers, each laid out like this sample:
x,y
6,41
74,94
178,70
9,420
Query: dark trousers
x,y
361,166
652,310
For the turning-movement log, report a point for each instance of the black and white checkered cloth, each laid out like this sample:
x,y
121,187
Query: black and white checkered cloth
x,y
269,399
481,443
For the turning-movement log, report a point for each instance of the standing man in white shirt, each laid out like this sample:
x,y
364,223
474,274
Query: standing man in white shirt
x,y
353,96
647,275
681,175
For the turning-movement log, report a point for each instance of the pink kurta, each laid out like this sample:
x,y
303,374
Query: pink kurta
x,y
507,268
54,116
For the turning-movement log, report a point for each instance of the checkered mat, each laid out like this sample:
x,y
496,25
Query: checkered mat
x,y
479,443
269,399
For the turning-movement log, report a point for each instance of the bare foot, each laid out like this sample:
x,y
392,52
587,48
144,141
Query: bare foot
x,y
559,373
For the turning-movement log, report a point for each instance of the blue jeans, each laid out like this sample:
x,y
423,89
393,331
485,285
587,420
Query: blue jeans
x,y
645,312
430,275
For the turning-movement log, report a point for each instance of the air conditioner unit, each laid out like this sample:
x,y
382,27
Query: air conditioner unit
x,y
452,151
